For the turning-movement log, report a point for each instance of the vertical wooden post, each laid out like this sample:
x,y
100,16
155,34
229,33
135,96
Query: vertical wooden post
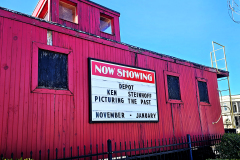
x,y
189,146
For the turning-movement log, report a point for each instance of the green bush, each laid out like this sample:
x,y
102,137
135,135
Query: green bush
x,y
229,147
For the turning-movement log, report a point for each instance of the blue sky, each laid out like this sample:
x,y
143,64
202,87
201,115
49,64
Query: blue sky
x,y
183,29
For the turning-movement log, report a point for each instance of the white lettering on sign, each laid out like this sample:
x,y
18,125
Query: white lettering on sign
x,y
102,69
122,93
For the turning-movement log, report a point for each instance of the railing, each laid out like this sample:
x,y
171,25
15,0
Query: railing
x,y
195,147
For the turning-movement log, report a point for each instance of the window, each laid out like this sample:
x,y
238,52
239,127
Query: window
x,y
234,108
68,11
202,87
236,121
203,92
52,69
106,24
227,121
223,106
172,87
238,104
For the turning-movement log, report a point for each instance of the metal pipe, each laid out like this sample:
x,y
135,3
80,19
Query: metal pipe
x,y
211,58
218,44
214,55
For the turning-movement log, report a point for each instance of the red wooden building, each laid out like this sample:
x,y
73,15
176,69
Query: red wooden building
x,y
42,107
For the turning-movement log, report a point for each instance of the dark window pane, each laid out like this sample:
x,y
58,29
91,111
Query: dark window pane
x,y
238,106
236,121
234,108
203,92
52,70
173,87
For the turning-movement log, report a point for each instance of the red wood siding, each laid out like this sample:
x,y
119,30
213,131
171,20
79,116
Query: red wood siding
x,y
38,121
88,18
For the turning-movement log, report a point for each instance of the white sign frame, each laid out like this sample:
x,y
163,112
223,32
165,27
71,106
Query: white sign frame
x,y
150,117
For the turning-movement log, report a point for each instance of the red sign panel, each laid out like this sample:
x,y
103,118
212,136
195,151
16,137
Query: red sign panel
x,y
122,72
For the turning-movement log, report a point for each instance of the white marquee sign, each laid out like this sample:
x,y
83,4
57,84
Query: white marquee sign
x,y
121,93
